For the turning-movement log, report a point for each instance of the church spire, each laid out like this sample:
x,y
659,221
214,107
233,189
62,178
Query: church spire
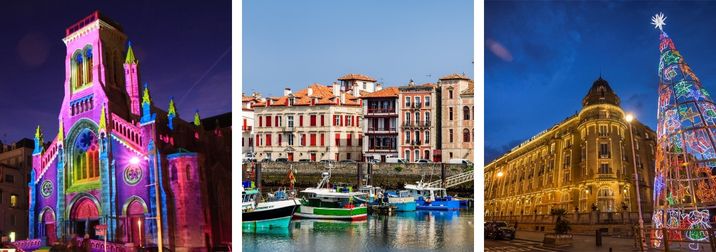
x,y
197,119
102,120
130,54
39,145
171,113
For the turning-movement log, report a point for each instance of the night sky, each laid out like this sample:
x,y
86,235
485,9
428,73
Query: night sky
x,y
541,58
184,50
296,43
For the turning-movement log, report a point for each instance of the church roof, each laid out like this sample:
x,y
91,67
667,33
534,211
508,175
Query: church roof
x,y
600,93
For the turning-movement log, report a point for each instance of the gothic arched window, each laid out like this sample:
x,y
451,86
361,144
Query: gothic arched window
x,y
466,113
88,64
466,135
85,156
173,173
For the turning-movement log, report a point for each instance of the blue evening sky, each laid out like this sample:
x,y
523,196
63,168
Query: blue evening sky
x,y
296,43
542,57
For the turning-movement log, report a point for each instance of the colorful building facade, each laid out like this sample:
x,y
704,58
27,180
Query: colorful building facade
x,y
317,123
456,119
120,162
418,131
380,112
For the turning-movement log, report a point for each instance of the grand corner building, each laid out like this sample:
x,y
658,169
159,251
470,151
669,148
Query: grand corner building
x,y
117,160
582,164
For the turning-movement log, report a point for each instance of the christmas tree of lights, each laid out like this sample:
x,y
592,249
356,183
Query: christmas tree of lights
x,y
684,183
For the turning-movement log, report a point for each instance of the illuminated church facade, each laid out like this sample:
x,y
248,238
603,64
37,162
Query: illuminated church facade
x,y
112,148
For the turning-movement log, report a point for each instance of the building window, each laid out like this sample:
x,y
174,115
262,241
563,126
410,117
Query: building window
x,y
300,121
13,200
290,139
278,121
349,139
427,155
323,139
407,101
603,130
417,101
407,117
336,120
268,121
313,139
417,137
417,117
427,117
303,139
338,139
427,137
450,135
268,139
427,101
407,155
603,150
289,121
466,113
322,121
605,197
466,135
407,137
416,155
450,94
450,113
604,168
9,178
566,176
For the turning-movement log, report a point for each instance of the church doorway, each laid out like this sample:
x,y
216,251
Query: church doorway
x,y
137,223
48,226
84,217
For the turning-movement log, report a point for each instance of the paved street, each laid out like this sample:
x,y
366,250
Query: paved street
x,y
532,241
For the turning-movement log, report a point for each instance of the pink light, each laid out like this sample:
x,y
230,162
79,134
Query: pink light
x,y
134,160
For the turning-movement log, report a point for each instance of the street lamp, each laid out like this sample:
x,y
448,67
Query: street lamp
x,y
629,118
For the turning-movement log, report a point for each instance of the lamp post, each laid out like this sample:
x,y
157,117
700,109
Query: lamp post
x,y
492,186
629,118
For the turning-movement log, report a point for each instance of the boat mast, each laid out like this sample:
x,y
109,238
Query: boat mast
x,y
326,177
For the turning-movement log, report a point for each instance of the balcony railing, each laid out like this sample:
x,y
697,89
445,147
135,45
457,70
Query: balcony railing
x,y
383,130
382,110
247,128
379,148
416,124
288,129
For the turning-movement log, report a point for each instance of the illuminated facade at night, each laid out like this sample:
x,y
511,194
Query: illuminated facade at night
x,y
583,164
113,147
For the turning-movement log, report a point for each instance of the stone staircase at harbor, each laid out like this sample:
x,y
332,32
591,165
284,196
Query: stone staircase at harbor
x,y
454,180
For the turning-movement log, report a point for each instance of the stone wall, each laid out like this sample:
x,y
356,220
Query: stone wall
x,y
389,176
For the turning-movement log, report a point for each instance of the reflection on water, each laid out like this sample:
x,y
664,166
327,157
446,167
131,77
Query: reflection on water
x,y
406,231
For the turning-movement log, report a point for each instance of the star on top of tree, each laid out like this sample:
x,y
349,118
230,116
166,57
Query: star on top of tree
x,y
659,20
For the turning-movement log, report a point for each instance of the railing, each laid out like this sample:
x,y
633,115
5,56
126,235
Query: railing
x,y
454,180
587,218
247,128
382,148
416,124
288,129
127,130
97,245
382,110
382,130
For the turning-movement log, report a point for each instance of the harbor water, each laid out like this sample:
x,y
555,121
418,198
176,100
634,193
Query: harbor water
x,y
402,231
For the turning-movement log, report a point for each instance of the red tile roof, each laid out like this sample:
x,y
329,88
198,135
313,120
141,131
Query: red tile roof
x,y
470,88
356,77
454,77
386,92
323,94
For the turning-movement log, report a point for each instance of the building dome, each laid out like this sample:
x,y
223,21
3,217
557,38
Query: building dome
x,y
600,93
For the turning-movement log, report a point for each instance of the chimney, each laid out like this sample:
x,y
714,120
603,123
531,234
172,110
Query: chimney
x,y
286,91
310,91
343,98
411,83
356,92
336,89
378,87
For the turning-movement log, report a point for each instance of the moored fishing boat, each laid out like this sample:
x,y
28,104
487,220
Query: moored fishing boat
x,y
261,215
402,200
336,203
432,198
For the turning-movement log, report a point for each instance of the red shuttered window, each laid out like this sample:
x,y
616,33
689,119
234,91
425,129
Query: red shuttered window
x,y
313,139
323,139
268,121
313,120
300,121
322,121
338,139
350,140
268,139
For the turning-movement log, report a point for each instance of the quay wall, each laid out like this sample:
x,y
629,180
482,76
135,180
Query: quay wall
x,y
388,176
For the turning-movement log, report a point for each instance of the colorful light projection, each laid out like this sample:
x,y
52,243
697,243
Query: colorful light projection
x,y
684,184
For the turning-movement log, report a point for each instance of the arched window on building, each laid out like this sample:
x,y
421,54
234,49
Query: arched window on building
x,y
466,113
88,59
427,154
76,70
466,135
85,155
605,199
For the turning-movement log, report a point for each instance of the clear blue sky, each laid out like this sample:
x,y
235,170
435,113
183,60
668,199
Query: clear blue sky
x,y
542,57
296,43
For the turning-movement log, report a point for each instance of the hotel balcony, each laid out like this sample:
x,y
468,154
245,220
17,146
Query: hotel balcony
x,y
246,128
381,131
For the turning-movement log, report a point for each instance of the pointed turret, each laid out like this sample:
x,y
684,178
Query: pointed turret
x,y
147,115
60,134
600,93
102,120
171,113
130,54
197,119
39,141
